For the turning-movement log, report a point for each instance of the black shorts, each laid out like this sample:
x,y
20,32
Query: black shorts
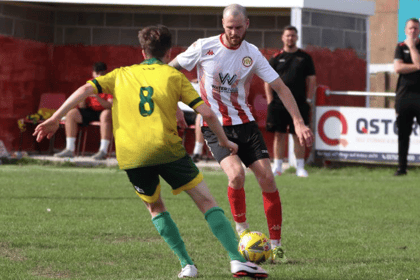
x,y
247,136
89,115
279,119
181,175
190,117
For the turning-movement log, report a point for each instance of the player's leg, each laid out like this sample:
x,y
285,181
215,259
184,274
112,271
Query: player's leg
x,y
168,230
299,150
277,122
146,184
272,205
255,156
73,118
271,197
216,219
279,151
233,168
184,175
405,125
199,140
300,157
105,119
221,228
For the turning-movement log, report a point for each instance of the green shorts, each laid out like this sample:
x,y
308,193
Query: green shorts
x,y
181,175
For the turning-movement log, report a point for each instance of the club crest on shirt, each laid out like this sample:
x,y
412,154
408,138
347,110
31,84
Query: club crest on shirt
x,y
247,61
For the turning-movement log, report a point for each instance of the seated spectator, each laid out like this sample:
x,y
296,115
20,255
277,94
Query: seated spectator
x,y
192,118
94,108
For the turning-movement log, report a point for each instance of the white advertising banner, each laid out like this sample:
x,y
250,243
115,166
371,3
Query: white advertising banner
x,y
361,134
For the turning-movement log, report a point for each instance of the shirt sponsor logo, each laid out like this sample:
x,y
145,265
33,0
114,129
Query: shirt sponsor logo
x,y
227,78
406,51
247,61
224,89
282,60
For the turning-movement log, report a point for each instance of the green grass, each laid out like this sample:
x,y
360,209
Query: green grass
x,y
345,223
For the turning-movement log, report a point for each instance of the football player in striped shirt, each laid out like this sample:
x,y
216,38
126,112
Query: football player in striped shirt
x,y
225,66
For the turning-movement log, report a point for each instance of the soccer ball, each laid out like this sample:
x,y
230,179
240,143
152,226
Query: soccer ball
x,y
255,247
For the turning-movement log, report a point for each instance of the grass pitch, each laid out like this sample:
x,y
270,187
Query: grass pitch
x,y
347,223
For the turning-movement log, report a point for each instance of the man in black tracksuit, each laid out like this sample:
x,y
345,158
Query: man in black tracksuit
x,y
407,103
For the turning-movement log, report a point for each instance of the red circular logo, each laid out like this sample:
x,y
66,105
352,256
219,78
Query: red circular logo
x,y
323,119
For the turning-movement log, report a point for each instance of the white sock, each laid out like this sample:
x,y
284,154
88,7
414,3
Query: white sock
x,y
104,145
300,163
71,143
275,243
278,164
198,148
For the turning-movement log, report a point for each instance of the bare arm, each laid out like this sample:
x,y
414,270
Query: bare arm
x,y
268,95
50,126
104,103
214,124
404,68
302,131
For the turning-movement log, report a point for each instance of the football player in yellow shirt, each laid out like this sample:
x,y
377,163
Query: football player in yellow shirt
x,y
148,146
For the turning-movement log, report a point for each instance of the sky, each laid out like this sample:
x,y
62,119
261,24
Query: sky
x,y
407,9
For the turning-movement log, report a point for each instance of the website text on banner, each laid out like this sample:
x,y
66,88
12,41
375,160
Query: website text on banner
x,y
361,134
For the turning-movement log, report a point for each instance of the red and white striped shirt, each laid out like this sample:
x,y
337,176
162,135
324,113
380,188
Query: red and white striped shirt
x,y
225,74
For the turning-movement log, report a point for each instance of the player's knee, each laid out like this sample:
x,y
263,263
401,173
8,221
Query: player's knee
x,y
267,182
73,114
155,208
237,179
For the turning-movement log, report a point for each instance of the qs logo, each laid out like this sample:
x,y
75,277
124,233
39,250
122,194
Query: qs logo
x,y
321,132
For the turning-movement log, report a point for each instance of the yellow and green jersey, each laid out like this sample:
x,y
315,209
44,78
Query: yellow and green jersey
x,y
144,111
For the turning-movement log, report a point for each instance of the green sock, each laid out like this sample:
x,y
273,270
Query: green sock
x,y
170,233
222,229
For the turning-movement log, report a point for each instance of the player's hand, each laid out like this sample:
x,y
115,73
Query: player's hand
x,y
231,146
410,42
305,135
46,129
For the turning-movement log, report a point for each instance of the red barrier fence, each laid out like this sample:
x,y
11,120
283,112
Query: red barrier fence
x,y
29,68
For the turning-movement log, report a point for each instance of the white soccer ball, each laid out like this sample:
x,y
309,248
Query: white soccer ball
x,y
255,247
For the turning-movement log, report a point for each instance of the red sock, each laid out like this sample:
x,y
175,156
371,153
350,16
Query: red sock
x,y
272,209
237,204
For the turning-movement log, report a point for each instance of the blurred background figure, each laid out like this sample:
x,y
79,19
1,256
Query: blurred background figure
x,y
192,118
93,108
407,101
297,71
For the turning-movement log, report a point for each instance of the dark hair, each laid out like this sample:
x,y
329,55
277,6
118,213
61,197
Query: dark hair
x,y
411,19
155,40
99,67
289,27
